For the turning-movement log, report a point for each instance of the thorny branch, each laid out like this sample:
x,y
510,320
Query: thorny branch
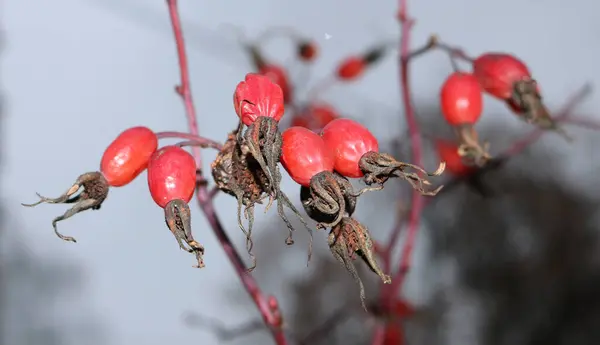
x,y
270,314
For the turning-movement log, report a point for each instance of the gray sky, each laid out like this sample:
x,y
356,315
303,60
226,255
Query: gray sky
x,y
75,73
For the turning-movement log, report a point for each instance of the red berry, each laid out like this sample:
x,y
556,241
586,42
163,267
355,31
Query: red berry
x,y
279,77
497,73
461,99
351,68
348,140
171,175
315,117
258,96
307,51
448,152
304,154
127,156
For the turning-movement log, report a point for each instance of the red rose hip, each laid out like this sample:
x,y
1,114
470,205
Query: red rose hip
x,y
171,175
348,140
304,154
498,72
258,96
127,156
461,99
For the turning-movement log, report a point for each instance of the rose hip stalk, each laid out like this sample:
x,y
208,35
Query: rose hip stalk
x,y
247,166
461,100
356,154
123,160
171,181
509,79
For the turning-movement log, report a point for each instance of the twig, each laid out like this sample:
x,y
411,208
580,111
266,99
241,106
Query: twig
x,y
388,293
192,138
203,196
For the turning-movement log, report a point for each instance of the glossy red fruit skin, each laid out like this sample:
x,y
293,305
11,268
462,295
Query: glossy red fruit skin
x,y
279,76
258,96
348,140
127,156
171,175
304,154
461,99
497,72
448,152
351,68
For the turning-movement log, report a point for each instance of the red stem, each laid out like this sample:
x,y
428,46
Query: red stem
x,y
203,195
416,146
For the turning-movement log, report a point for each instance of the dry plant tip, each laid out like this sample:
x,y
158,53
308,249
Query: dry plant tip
x,y
349,240
329,198
379,167
178,220
94,191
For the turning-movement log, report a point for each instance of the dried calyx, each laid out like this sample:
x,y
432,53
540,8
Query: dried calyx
x,y
178,219
350,239
329,198
379,167
472,152
94,190
527,101
237,172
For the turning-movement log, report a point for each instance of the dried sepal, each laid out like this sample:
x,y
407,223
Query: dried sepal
x,y
178,219
350,239
526,101
379,167
238,173
94,190
329,198
472,152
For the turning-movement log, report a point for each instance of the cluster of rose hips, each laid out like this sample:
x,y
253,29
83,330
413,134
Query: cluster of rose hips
x,y
321,163
247,167
171,181
502,76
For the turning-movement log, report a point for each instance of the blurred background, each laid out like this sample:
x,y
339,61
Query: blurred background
x,y
521,267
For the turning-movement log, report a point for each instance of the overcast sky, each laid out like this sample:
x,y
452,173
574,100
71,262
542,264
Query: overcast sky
x,y
77,72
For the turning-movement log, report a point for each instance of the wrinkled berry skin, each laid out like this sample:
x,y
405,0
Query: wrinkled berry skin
x,y
304,154
127,156
348,140
278,75
461,99
171,175
497,73
258,96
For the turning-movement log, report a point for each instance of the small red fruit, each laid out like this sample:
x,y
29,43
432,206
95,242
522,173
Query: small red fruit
x,y
315,117
304,154
498,72
127,156
448,152
258,96
307,51
351,68
278,75
461,99
348,140
171,175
